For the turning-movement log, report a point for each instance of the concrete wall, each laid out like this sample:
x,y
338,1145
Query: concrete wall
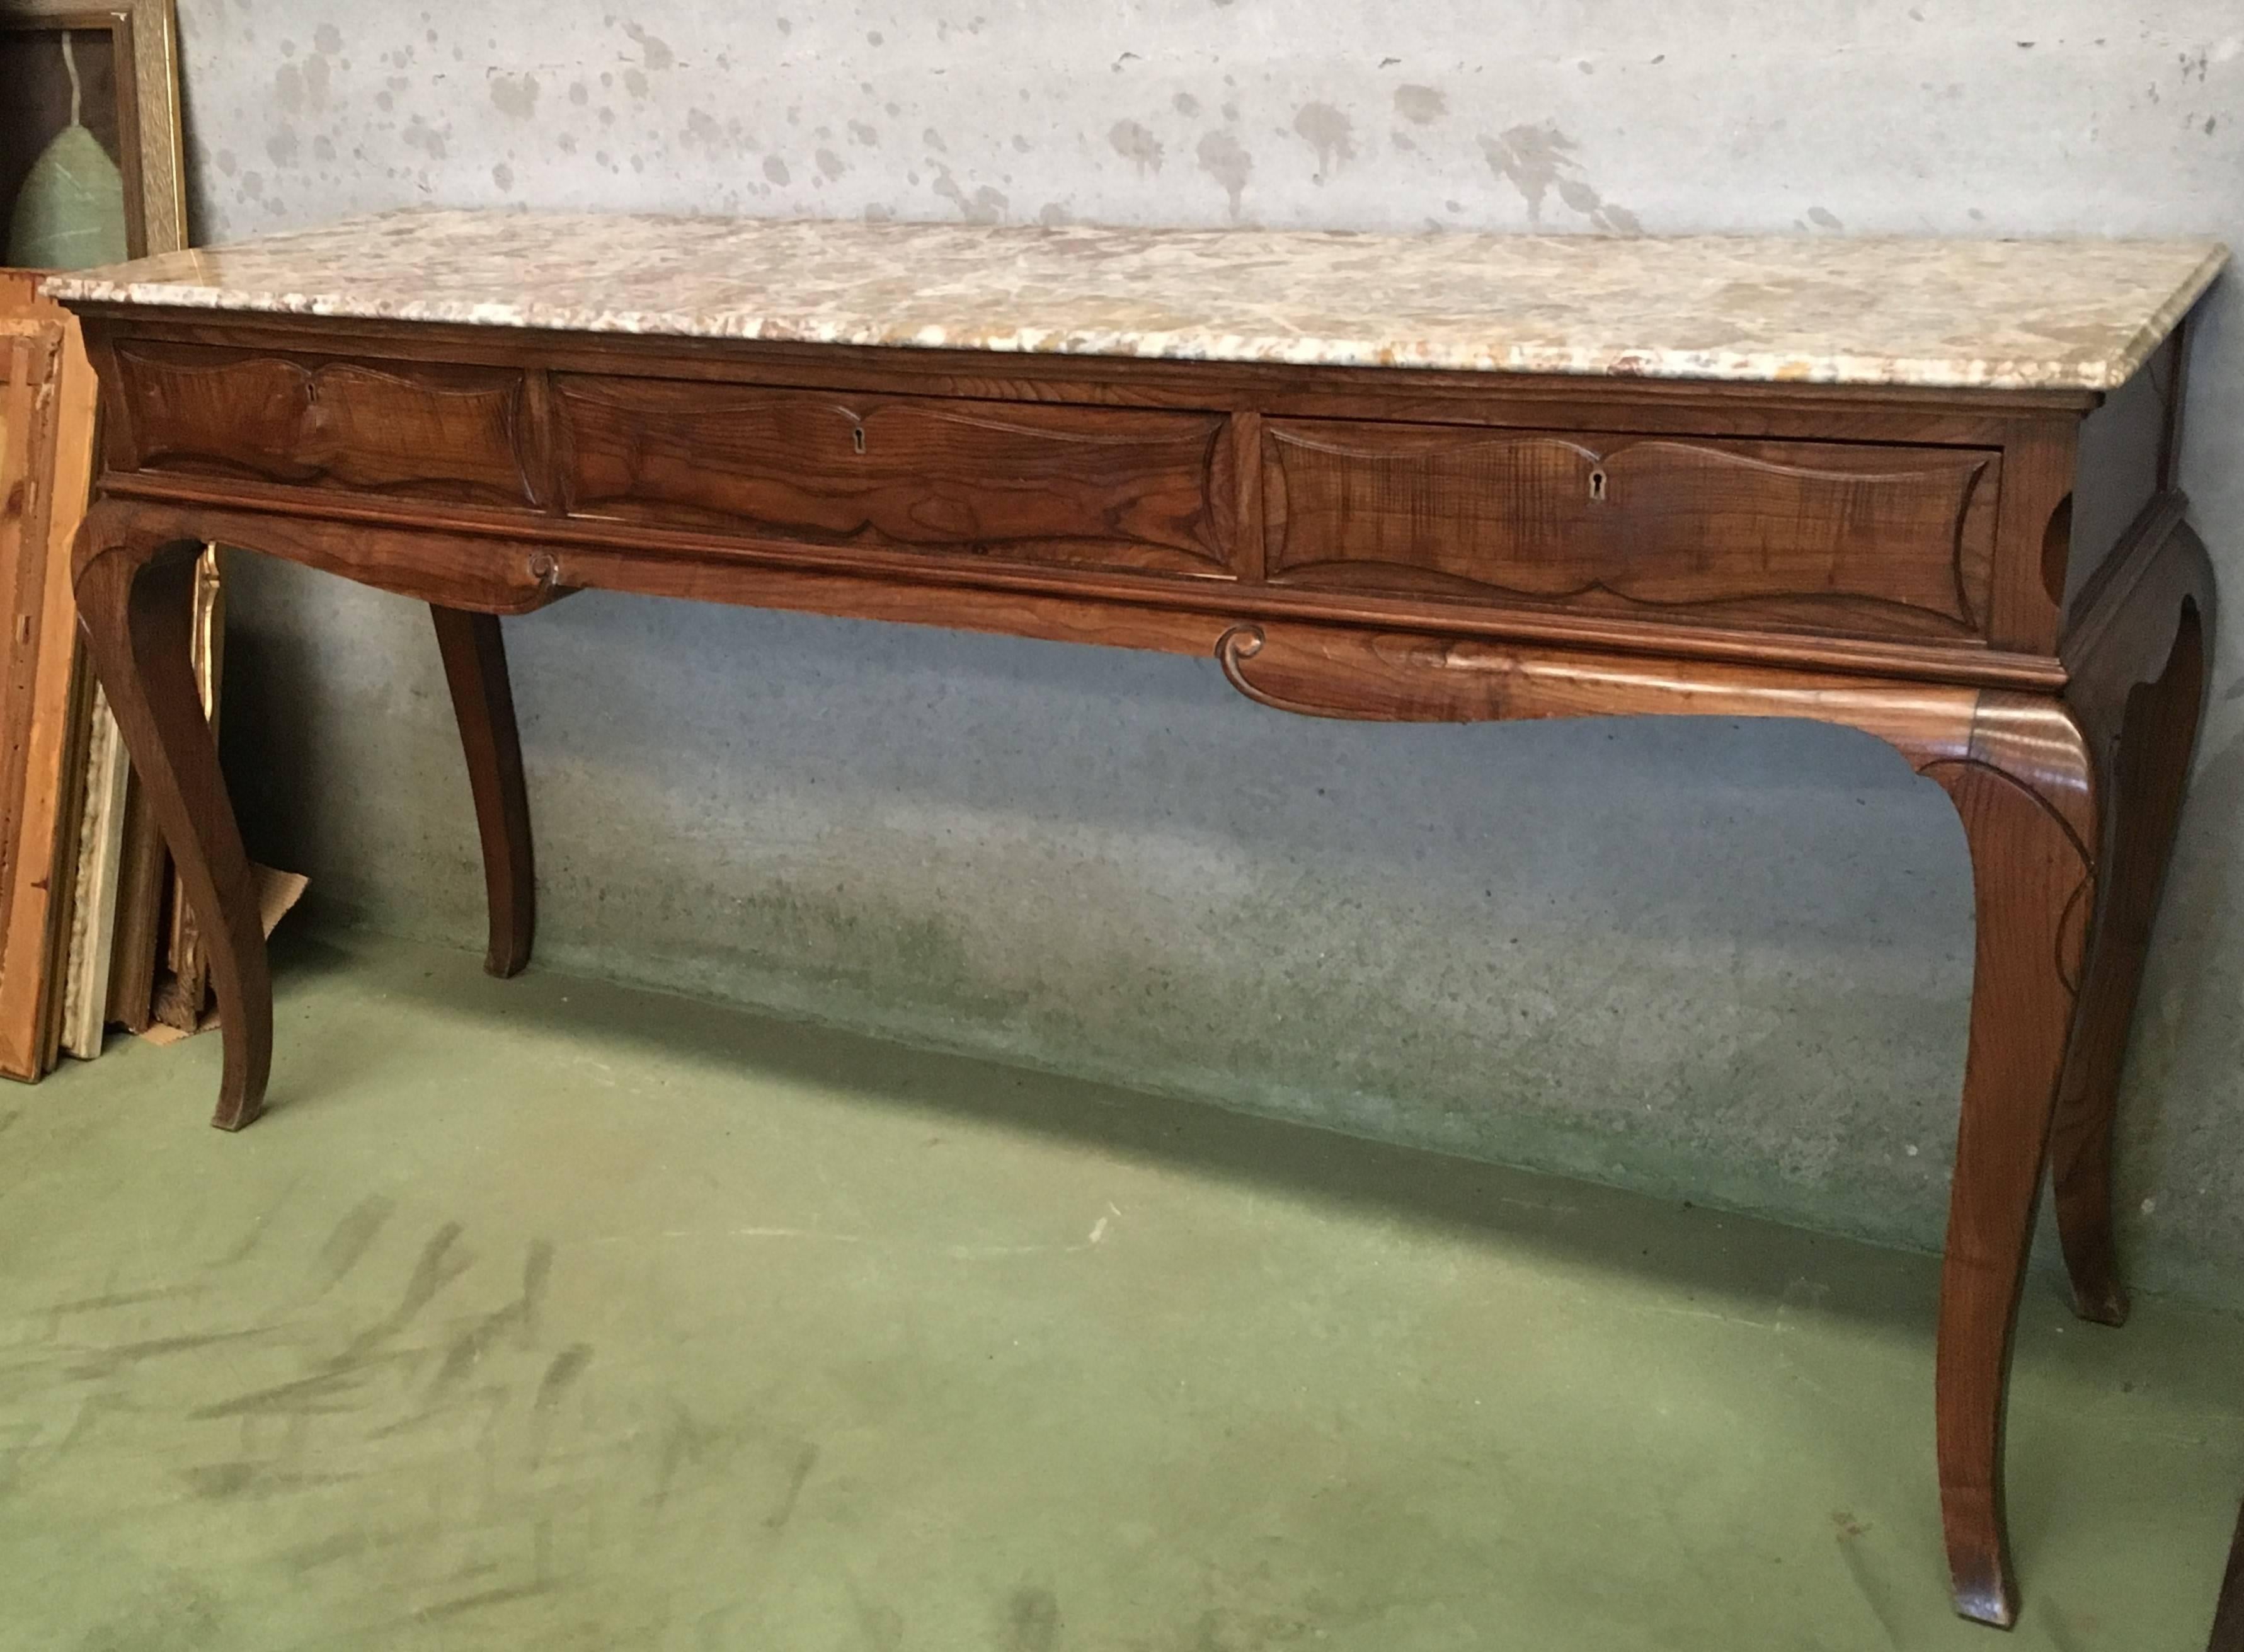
x,y
1721,961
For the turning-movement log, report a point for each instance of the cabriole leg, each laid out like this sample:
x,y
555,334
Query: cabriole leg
x,y
136,600
2142,715
475,666
2025,790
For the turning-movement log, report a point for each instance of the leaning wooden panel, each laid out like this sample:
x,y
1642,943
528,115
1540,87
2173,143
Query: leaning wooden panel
x,y
23,355
46,452
96,771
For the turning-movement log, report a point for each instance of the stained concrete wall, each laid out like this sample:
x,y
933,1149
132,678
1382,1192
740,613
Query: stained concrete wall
x,y
1720,961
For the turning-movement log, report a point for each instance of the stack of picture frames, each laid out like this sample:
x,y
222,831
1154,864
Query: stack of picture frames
x,y
95,933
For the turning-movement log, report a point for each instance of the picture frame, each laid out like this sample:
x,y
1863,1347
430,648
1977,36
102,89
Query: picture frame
x,y
128,99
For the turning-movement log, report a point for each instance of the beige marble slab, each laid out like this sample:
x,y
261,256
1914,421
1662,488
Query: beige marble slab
x,y
2016,313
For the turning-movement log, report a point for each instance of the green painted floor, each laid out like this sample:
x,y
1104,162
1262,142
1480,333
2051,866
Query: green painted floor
x,y
549,1314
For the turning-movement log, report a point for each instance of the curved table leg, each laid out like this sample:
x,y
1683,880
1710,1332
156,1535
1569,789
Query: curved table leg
x,y
475,666
135,599
2026,792
2018,770
2139,692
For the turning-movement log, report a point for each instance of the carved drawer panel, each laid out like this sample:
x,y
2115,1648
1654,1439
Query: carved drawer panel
x,y
1885,540
407,428
1077,486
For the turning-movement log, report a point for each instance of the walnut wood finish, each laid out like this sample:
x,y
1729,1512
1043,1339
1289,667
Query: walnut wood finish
x,y
2026,791
2137,659
1093,488
1878,539
439,432
135,601
475,667
1366,542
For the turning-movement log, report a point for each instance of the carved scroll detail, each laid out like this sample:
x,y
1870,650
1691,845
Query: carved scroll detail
x,y
1401,677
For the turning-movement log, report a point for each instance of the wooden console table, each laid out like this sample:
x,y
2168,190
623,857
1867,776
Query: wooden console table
x,y
1922,489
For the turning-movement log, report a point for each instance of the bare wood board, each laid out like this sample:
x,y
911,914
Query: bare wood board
x,y
46,455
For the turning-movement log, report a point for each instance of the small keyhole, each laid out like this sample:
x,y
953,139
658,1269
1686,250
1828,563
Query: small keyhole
x,y
1597,484
857,437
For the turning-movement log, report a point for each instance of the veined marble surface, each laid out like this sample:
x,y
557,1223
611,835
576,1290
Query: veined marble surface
x,y
2019,314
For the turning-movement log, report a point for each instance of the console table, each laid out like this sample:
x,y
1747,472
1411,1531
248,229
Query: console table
x,y
1922,489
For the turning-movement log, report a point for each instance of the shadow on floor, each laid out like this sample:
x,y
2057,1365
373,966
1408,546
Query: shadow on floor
x,y
1679,1247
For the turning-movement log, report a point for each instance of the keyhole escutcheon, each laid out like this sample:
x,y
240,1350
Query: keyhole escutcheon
x,y
857,437
1598,484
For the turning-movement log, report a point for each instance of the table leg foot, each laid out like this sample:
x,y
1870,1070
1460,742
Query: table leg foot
x,y
475,666
135,595
2026,790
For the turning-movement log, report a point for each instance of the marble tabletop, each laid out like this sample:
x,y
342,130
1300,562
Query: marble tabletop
x,y
2082,314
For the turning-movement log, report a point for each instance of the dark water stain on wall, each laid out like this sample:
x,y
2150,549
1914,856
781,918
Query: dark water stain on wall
x,y
1136,145
655,52
1537,159
985,205
1421,105
515,95
1328,132
1223,157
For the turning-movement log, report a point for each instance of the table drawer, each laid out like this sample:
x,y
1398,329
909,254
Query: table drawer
x,y
1073,486
1882,540
439,432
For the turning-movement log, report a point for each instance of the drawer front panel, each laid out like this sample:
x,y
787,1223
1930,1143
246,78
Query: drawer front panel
x,y
437,431
1090,487
1882,540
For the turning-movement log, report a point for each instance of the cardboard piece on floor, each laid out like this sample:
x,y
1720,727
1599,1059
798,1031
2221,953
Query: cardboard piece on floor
x,y
276,893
